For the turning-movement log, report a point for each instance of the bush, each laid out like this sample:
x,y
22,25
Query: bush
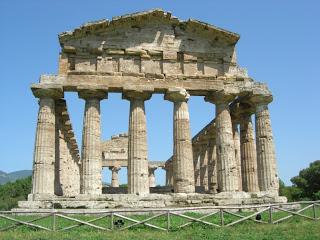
x,y
12,192
317,195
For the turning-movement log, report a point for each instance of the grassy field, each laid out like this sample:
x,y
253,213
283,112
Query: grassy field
x,y
294,228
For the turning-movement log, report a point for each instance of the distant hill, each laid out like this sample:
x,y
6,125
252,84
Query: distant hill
x,y
13,176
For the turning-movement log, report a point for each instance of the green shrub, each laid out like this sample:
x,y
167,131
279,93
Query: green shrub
x,y
12,192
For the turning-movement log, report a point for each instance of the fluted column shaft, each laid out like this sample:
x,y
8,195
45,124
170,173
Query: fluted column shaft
x,y
44,152
196,167
138,175
248,155
266,161
182,150
152,178
61,158
91,151
43,177
170,174
212,166
114,176
237,150
204,167
91,182
227,167
167,176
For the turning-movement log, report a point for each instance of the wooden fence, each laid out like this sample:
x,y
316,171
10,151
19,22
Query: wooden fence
x,y
119,220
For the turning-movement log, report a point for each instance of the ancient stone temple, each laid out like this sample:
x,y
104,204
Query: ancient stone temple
x,y
230,161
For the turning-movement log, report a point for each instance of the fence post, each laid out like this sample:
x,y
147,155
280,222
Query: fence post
x,y
221,217
168,220
111,217
54,222
270,215
314,211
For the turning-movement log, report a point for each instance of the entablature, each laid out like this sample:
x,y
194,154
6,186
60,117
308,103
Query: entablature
x,y
196,86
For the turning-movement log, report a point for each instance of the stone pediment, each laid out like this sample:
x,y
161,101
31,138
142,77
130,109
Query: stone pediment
x,y
149,42
139,19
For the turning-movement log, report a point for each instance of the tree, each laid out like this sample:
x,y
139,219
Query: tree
x,y
307,183
292,193
12,192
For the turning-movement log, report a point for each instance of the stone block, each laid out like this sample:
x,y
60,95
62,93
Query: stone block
x,y
172,67
212,68
153,66
85,64
127,64
168,55
190,68
107,64
63,64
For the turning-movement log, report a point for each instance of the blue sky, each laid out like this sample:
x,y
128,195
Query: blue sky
x,y
279,45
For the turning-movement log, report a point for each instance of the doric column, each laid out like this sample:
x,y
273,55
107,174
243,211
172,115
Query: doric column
x,y
182,150
204,167
67,179
169,173
227,166
44,151
152,178
248,154
91,182
114,176
236,139
166,176
266,160
212,166
138,180
196,165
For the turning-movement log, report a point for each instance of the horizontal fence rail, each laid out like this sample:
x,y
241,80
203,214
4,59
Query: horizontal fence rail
x,y
163,219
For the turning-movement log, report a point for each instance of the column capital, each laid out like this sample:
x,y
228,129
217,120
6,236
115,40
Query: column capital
x,y
152,168
240,110
115,168
168,164
261,99
245,112
177,95
219,97
136,95
92,93
54,91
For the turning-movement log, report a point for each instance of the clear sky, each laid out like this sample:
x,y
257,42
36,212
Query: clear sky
x,y
279,45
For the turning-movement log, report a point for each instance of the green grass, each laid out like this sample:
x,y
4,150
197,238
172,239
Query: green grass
x,y
294,228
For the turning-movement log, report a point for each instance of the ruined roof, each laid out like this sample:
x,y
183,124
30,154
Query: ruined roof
x,y
100,25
